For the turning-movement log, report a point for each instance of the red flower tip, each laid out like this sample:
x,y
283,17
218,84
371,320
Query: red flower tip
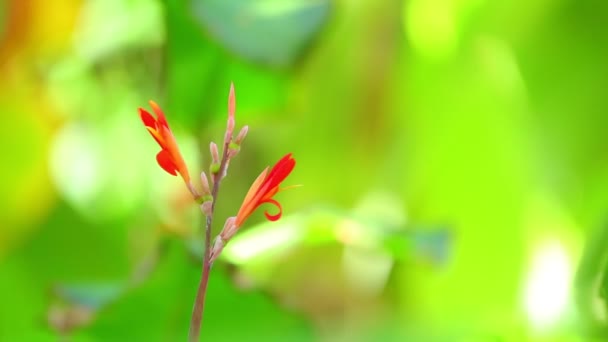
x,y
169,158
264,188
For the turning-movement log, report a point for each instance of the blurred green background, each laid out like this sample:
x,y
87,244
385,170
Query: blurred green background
x,y
453,153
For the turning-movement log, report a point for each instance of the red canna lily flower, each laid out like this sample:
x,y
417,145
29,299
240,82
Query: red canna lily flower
x,y
264,188
169,157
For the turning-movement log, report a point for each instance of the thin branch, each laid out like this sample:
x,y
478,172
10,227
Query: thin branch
x,y
199,304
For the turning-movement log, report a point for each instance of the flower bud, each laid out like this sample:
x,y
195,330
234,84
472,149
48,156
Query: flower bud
x,y
215,154
231,109
229,229
205,184
242,134
216,250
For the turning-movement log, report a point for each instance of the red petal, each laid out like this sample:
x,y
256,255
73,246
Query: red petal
x,y
150,123
164,160
159,114
280,164
276,216
147,118
280,171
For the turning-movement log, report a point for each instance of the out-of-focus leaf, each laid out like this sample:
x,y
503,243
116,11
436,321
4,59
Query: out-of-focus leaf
x,y
369,228
234,316
271,31
64,250
155,311
377,222
68,249
3,13
135,23
160,309
592,268
199,73
264,239
22,313
432,245
260,93
25,193
194,67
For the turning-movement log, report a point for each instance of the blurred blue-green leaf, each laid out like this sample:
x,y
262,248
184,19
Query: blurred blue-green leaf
x,y
272,32
94,295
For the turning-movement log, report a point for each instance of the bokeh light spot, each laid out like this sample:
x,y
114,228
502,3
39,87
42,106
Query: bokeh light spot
x,y
548,285
76,167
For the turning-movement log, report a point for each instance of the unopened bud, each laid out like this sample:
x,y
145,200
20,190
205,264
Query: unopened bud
x,y
229,229
215,154
229,130
234,147
231,110
205,184
242,134
228,136
218,246
231,103
193,191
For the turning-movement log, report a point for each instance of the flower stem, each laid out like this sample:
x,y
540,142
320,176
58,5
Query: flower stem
x,y
199,303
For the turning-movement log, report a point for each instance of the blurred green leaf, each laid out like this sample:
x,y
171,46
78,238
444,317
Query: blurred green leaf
x,y
593,269
260,93
136,23
160,309
155,311
75,250
370,228
199,73
193,68
65,249
23,308
23,174
272,32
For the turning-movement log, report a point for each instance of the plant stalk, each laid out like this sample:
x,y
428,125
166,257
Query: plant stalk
x,y
199,303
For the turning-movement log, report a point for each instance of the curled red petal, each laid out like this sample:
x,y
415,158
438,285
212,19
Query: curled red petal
x,y
276,216
164,160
